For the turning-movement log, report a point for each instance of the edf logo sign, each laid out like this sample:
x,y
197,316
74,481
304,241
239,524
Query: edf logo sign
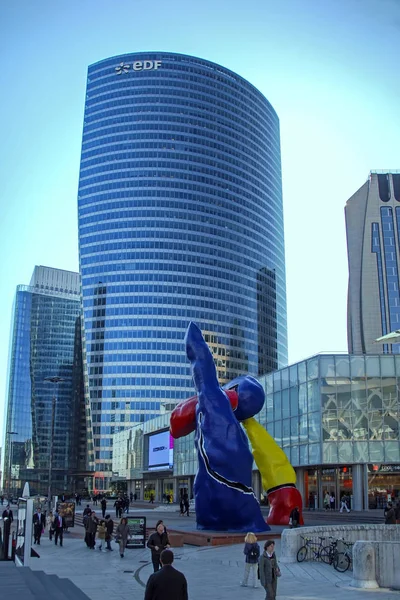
x,y
138,65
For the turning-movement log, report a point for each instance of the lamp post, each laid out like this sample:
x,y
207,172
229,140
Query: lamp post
x,y
10,433
55,379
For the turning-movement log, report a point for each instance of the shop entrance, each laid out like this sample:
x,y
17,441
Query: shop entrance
x,y
167,491
311,489
150,490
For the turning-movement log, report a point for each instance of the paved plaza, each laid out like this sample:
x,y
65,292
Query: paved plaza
x,y
212,573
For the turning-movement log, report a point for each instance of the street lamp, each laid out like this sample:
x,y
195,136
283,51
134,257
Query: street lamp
x,y
10,433
55,379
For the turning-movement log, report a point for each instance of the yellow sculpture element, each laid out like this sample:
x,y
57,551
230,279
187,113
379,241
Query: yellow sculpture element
x,y
271,460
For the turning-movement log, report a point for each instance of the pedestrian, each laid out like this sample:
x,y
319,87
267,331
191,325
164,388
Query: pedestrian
x,y
117,506
181,507
151,501
49,524
39,523
135,496
311,501
332,501
2,500
103,507
58,526
122,535
168,583
8,513
109,531
343,504
87,510
327,500
157,542
186,503
131,496
294,518
101,534
269,570
389,514
92,529
252,554
397,512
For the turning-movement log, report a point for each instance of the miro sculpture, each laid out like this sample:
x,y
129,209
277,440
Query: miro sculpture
x,y
224,498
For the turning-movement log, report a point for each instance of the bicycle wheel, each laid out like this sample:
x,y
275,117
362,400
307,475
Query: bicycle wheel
x,y
341,562
302,554
326,555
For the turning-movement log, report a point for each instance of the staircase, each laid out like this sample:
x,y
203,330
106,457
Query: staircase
x,y
21,582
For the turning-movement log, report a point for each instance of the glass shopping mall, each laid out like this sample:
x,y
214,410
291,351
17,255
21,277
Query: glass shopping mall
x,y
336,416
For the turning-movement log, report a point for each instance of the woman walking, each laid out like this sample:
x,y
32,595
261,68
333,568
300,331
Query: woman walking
x,y
122,535
269,570
252,552
101,534
49,524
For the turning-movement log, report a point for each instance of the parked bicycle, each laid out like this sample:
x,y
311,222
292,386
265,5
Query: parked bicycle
x,y
315,551
343,560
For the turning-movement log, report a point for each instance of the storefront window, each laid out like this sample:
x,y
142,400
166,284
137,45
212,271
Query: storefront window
x,y
345,484
149,490
383,485
311,489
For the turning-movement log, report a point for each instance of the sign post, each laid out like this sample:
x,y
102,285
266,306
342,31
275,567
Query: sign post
x,y
137,532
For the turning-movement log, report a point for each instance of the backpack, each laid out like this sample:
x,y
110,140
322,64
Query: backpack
x,y
253,552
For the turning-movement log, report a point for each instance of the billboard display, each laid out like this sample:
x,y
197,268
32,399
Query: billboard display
x,y
67,510
137,532
161,451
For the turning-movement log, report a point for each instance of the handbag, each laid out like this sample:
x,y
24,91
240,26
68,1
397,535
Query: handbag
x,y
278,572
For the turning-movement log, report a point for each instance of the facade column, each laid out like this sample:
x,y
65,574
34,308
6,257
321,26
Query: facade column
x,y
158,492
300,484
320,490
175,490
141,492
358,487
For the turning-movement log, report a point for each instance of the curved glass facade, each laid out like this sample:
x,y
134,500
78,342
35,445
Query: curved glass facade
x,y
180,219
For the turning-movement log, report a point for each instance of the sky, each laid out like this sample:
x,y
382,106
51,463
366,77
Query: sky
x,y
330,68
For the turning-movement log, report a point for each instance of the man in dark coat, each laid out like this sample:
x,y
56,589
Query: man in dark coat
x,y
8,513
168,583
58,526
39,523
103,507
109,531
158,541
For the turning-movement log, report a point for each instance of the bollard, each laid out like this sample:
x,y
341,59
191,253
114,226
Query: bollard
x,y
364,573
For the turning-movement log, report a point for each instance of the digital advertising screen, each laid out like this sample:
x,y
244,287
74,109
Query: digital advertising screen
x,y
137,532
161,451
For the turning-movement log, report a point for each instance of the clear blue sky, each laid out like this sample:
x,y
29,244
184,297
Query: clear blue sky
x,y
329,67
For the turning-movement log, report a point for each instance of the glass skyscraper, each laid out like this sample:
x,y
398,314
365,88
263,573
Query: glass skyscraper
x,y
46,342
180,219
373,235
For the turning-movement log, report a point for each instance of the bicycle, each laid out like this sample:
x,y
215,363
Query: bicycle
x,y
316,551
343,560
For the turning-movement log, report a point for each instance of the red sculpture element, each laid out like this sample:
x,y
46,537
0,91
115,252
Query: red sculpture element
x,y
281,502
183,417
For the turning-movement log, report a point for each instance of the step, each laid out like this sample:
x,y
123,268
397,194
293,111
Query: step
x,y
51,584
34,584
12,585
71,590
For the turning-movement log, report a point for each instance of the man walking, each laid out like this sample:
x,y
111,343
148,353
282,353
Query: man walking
x,y
343,504
168,583
58,526
39,523
109,531
103,507
157,542
92,528
8,514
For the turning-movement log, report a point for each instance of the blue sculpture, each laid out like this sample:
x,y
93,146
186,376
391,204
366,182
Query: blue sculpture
x,y
225,500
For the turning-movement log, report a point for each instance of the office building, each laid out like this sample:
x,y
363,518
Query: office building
x,y
336,416
180,219
373,233
46,342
